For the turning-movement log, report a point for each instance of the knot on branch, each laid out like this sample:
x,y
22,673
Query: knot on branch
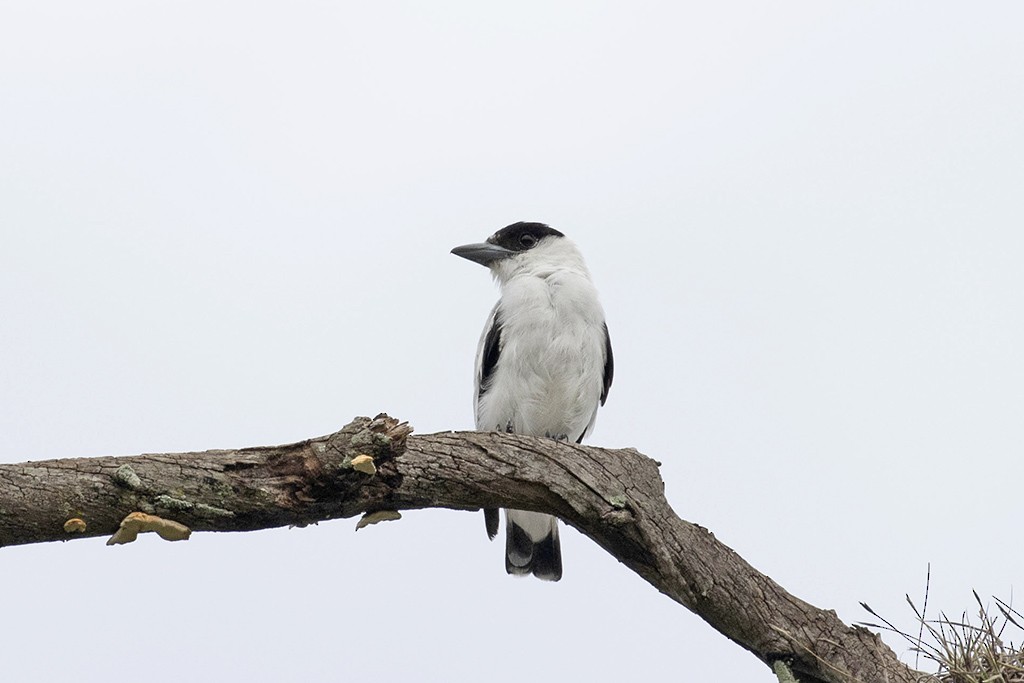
x,y
381,438
350,467
384,435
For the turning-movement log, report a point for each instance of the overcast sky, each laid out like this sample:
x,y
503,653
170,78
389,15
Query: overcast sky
x,y
229,224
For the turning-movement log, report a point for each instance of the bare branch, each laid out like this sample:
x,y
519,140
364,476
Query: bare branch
x,y
616,497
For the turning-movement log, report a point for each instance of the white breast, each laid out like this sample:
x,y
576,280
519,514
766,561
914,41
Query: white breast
x,y
549,376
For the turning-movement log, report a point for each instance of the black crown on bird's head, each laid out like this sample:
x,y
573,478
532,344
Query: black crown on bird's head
x,y
522,235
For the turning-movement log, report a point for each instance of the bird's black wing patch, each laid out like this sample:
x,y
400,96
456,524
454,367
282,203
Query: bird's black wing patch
x,y
489,354
488,361
609,365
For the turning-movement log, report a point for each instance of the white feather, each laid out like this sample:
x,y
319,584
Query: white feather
x,y
549,377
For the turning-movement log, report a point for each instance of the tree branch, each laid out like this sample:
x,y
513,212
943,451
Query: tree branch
x,y
616,497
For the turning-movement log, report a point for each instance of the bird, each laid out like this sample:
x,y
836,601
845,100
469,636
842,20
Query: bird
x,y
543,365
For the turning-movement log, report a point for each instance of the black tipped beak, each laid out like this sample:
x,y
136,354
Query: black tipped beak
x,y
484,253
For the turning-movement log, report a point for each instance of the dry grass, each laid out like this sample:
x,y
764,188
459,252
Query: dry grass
x,y
966,652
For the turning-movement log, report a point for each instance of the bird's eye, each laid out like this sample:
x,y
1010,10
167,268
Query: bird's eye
x,y
527,240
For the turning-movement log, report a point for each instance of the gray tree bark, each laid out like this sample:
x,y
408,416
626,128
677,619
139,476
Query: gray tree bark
x,y
373,466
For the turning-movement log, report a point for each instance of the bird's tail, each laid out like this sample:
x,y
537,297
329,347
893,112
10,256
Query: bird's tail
x,y
531,545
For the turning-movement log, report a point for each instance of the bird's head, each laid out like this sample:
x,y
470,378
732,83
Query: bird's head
x,y
522,247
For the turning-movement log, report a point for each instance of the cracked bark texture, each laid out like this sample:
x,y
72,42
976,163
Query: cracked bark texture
x,y
615,497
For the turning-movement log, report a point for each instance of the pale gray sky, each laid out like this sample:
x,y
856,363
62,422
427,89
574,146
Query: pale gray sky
x,y
228,224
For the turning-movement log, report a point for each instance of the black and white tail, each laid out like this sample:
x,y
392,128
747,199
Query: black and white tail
x,y
531,545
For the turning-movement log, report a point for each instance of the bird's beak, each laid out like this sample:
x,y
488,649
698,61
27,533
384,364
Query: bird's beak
x,y
484,253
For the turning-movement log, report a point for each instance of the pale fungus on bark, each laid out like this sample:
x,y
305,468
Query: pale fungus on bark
x,y
139,522
378,516
364,464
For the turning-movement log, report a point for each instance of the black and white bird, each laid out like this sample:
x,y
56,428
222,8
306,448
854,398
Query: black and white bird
x,y
543,366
